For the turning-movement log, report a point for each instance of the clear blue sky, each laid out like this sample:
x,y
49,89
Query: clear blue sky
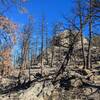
x,y
52,9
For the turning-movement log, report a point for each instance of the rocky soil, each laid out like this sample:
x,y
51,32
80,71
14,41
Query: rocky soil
x,y
74,84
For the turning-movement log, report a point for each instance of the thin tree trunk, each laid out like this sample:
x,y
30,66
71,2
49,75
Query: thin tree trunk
x,y
80,9
42,41
82,43
90,37
47,46
30,64
52,56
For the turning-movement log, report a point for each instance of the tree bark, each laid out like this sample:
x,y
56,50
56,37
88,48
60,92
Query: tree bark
x,y
90,36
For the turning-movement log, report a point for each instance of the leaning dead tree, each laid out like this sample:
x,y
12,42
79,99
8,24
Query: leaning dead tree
x,y
72,42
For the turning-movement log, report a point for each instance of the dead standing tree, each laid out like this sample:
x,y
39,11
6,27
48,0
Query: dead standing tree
x,y
87,13
92,16
46,42
42,42
80,14
25,46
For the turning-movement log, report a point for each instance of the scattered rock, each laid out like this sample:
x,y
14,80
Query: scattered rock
x,y
76,82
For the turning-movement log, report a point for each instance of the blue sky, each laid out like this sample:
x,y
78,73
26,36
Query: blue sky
x,y
52,9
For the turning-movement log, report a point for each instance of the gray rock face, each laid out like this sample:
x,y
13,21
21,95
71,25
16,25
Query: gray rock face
x,y
59,47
